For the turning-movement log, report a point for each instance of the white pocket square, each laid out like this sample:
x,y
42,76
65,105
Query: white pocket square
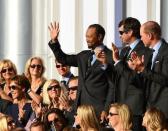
x,y
156,61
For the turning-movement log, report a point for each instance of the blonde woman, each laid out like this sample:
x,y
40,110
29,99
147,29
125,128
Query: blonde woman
x,y
7,72
154,120
86,118
7,123
34,71
51,93
120,117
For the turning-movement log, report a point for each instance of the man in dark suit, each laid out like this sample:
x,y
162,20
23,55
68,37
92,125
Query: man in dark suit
x,y
129,84
153,66
94,86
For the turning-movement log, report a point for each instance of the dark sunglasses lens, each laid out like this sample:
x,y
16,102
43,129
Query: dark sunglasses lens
x,y
5,70
73,88
112,114
12,87
11,122
53,87
38,66
121,32
58,66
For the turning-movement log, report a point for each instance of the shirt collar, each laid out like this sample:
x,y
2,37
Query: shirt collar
x,y
157,46
132,45
66,78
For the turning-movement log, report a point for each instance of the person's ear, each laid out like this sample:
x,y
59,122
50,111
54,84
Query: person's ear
x,y
100,37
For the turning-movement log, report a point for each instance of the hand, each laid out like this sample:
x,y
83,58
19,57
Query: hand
x,y
100,55
115,54
54,31
64,102
36,108
137,62
103,116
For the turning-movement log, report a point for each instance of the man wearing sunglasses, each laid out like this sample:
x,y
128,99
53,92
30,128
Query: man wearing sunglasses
x,y
94,86
130,85
64,72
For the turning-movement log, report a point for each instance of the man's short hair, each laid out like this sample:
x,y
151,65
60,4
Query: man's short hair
x,y
99,30
131,23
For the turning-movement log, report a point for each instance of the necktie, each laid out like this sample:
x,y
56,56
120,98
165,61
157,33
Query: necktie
x,y
153,57
126,56
90,59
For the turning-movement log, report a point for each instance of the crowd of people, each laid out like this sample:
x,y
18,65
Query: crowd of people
x,y
120,90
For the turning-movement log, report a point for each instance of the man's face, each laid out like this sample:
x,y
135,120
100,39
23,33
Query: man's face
x,y
145,37
92,38
63,70
124,36
73,85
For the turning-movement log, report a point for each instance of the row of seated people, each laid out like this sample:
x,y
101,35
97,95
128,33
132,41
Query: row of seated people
x,y
119,119
25,111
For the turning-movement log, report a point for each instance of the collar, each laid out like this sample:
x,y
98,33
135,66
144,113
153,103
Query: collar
x,y
157,46
132,45
66,78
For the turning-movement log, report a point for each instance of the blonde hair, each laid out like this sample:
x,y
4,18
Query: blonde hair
x,y
155,120
4,123
6,63
46,98
88,117
27,66
125,115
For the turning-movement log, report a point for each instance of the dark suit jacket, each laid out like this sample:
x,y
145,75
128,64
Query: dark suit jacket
x,y
94,86
157,80
130,85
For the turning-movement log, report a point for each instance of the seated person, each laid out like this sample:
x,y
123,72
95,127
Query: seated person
x,y
64,72
54,119
21,109
154,120
37,126
86,118
120,117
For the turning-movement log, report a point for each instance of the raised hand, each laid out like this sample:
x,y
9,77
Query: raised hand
x,y
54,30
115,54
136,62
100,55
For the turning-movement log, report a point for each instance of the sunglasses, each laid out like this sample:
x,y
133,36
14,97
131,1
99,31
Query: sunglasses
x,y
53,87
54,121
10,123
13,87
73,88
58,66
112,114
7,69
34,66
121,32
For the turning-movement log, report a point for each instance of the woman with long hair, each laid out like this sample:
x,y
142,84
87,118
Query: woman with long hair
x,y
154,120
34,71
86,118
7,72
120,117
